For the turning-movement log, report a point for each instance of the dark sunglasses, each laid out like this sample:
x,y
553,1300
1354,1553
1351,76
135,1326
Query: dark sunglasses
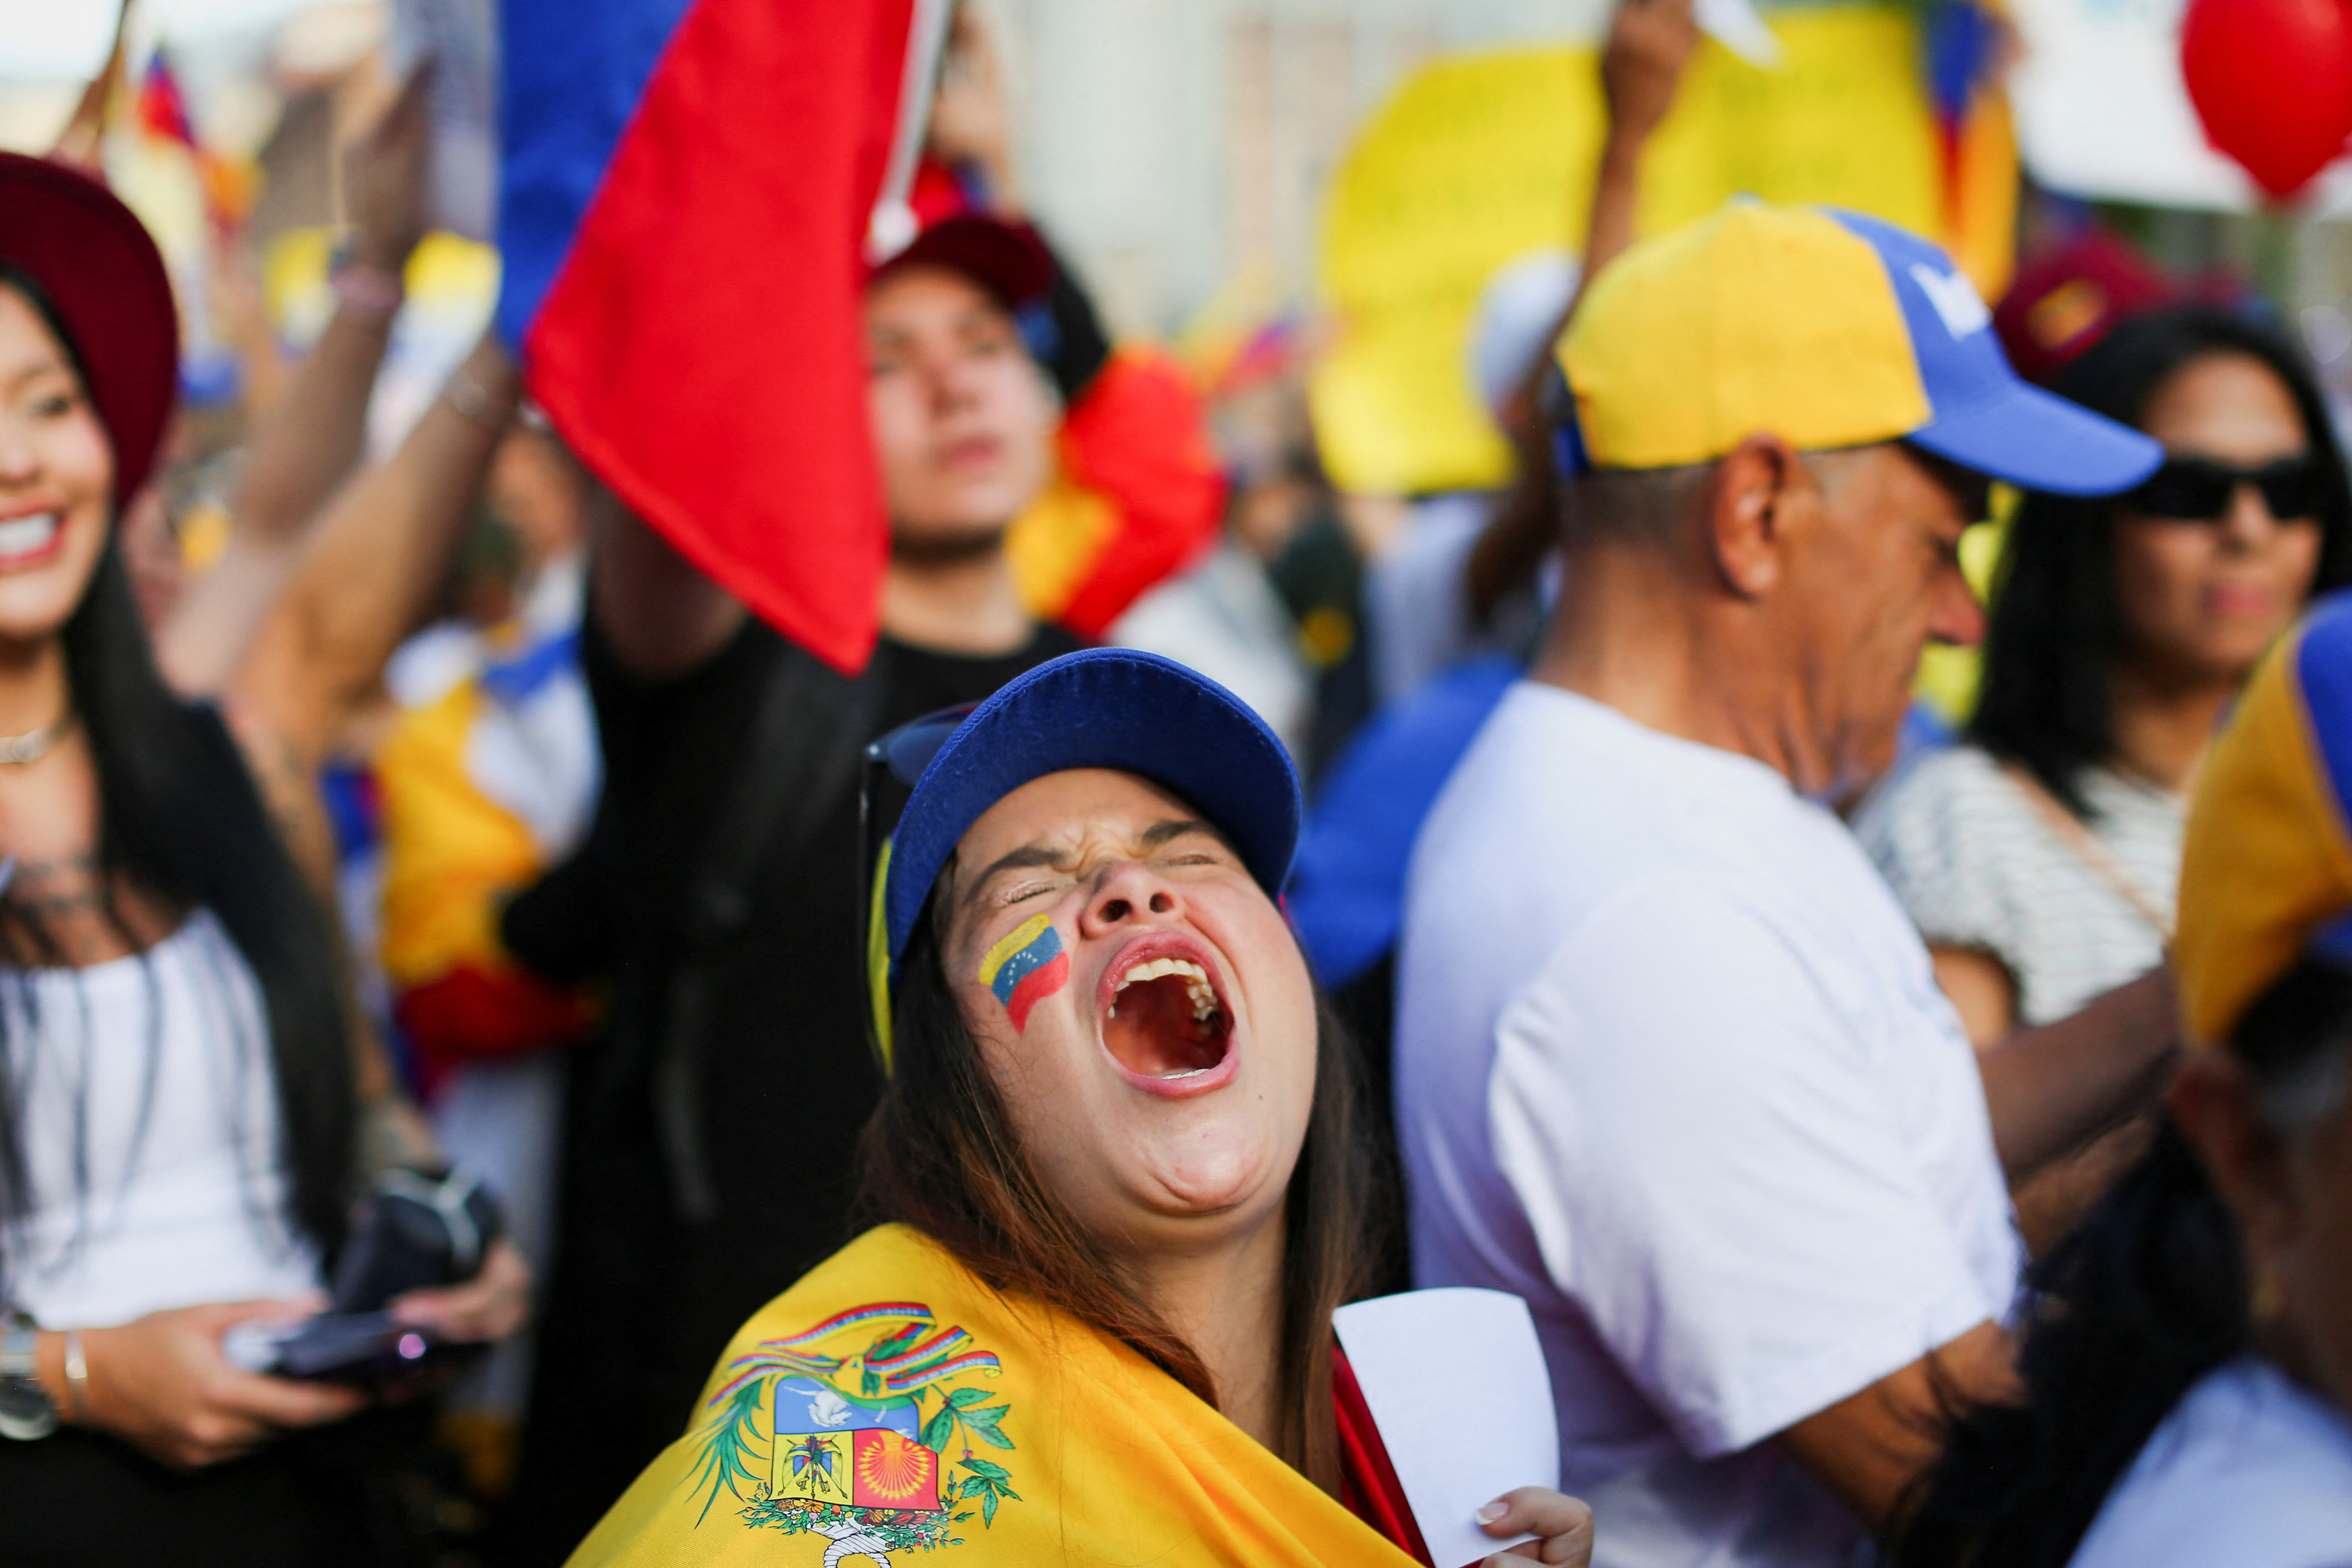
x,y
2199,489
893,764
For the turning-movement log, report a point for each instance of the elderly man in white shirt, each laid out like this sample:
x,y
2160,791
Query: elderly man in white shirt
x,y
1672,1063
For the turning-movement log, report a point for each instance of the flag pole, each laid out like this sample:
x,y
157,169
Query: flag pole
x,y
81,144
893,224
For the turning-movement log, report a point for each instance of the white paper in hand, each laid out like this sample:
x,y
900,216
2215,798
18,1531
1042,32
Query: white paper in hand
x,y
1457,1382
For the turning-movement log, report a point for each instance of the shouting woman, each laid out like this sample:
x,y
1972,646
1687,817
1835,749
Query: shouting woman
x,y
1117,1178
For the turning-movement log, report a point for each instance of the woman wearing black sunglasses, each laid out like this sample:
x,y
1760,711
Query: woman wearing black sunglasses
x,y
2040,856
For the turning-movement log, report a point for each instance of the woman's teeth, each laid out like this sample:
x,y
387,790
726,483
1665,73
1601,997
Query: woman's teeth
x,y
24,536
1196,984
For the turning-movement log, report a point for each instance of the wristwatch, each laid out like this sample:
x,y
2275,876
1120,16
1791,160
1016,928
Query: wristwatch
x,y
25,1411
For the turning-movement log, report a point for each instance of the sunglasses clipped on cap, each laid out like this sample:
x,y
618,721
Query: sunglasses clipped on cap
x,y
893,765
2198,490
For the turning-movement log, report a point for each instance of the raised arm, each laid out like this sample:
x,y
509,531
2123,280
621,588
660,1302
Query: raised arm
x,y
654,609
313,436
1650,42
365,578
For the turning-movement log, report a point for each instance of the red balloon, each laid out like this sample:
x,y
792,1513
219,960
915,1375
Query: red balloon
x,y
2271,80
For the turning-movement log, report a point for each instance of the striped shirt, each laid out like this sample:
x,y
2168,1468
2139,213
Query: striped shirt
x,y
1980,868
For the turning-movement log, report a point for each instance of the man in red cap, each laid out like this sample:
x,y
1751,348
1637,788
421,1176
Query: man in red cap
x,y
711,1132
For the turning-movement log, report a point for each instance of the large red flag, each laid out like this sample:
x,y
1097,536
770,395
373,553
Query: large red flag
x,y
688,185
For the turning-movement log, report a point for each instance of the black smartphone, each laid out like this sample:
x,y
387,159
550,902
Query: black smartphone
x,y
414,1230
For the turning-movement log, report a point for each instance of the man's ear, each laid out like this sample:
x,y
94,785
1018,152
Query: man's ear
x,y
2213,1103
1756,485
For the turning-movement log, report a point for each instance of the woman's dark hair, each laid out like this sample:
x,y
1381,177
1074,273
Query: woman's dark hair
x,y
2147,1296
941,1155
2056,627
180,818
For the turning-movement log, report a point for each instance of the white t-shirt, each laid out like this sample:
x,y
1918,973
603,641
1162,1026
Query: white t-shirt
x,y
1980,868
148,1101
2248,1470
1672,1065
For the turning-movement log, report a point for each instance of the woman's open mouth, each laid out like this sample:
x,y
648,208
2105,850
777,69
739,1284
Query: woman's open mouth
x,y
1164,1021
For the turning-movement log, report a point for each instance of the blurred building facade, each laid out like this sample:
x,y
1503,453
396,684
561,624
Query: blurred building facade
x,y
1178,147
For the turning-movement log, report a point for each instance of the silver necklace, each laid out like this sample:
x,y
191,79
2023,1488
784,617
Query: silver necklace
x,y
34,744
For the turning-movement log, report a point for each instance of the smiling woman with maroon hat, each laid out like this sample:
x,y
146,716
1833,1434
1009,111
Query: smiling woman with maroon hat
x,y
180,1099
1117,1181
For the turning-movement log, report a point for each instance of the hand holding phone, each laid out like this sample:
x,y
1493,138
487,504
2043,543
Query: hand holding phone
x,y
416,1230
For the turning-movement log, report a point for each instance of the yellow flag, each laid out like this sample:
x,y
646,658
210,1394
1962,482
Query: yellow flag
x,y
1480,158
890,1407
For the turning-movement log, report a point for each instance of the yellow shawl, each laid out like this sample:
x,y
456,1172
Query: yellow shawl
x,y
890,1406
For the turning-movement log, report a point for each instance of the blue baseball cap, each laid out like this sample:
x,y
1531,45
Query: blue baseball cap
x,y
1829,328
1103,708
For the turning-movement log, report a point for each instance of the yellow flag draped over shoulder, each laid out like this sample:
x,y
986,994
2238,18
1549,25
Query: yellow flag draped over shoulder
x,y
890,1405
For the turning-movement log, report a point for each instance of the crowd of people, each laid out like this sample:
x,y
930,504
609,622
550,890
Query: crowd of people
x,y
942,1107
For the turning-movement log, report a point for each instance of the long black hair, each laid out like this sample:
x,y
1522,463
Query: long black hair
x,y
2047,699
941,1155
180,818
2148,1296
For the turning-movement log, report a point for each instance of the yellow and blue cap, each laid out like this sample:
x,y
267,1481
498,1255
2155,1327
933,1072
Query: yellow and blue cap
x,y
1827,329
1102,708
2266,870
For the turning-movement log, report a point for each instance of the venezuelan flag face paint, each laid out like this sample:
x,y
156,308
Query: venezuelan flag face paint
x,y
1025,968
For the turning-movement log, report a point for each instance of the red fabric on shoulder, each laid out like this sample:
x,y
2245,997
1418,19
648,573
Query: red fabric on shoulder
x,y
1367,1481
482,1014
1138,436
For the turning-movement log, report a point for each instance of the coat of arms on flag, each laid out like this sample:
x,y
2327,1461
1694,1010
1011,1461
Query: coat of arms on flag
x,y
827,1451
856,1443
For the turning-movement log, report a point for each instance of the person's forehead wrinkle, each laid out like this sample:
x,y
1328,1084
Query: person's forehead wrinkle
x,y
1040,855
1162,832
1028,857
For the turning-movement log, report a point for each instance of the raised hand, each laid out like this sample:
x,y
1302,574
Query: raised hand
x,y
1650,42
385,178
971,125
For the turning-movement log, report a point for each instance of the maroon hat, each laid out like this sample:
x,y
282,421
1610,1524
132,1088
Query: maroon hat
x,y
2061,303
105,279
1008,259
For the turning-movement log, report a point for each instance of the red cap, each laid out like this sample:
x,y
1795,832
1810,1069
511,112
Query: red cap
x,y
106,281
1008,259
2064,302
